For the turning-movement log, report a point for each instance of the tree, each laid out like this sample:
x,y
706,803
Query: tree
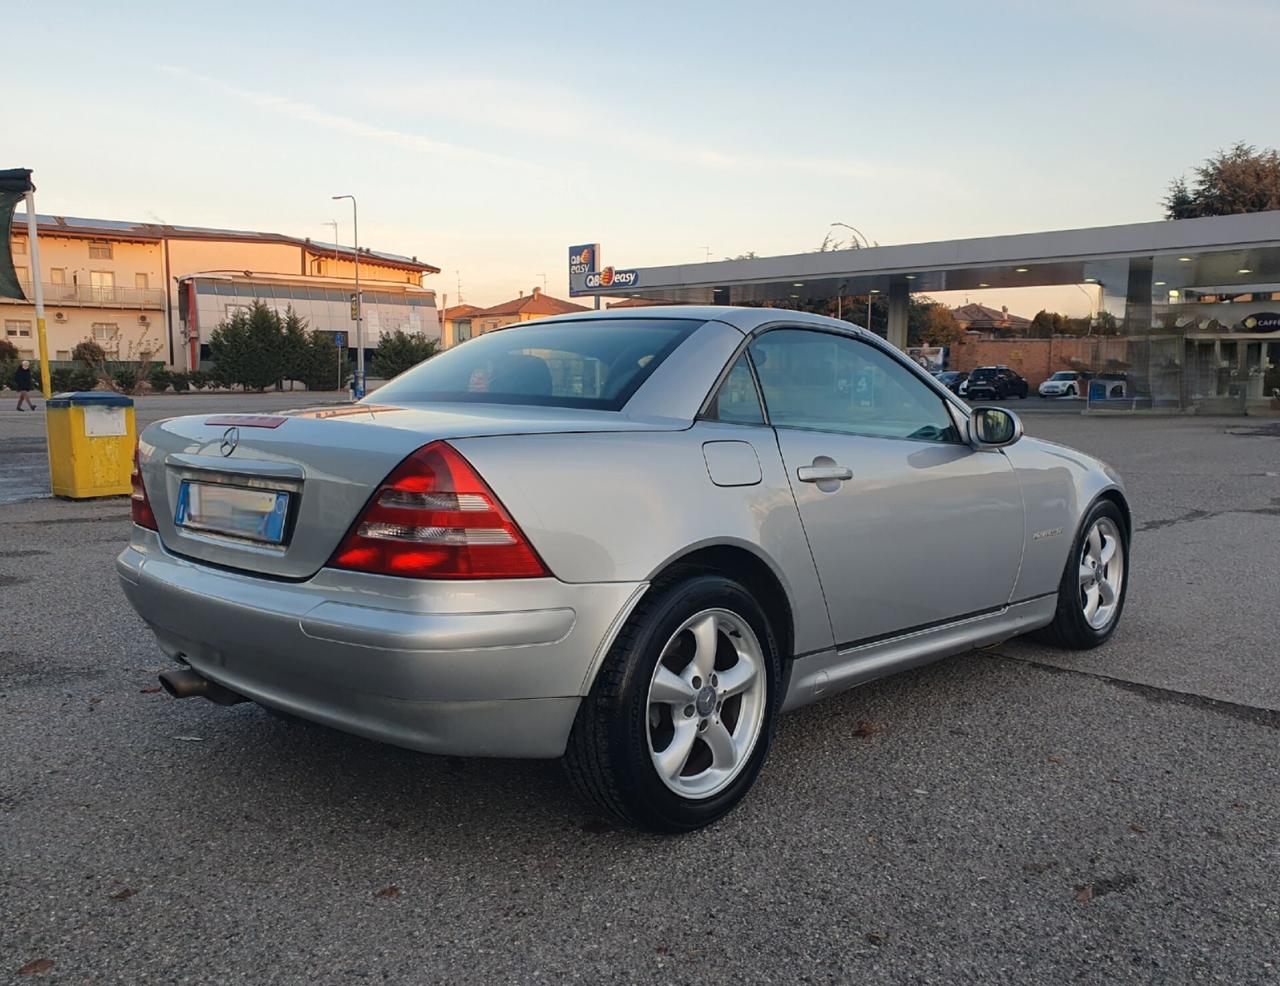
x,y
1242,179
294,344
8,351
399,351
938,326
322,365
249,349
1046,325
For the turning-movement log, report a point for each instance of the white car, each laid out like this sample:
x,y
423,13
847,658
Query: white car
x,y
1064,383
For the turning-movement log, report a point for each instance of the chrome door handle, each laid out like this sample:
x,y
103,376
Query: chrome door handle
x,y
823,474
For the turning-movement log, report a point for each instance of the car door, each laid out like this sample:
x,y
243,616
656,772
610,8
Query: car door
x,y
909,526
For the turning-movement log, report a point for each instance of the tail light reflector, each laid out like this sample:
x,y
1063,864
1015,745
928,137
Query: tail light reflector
x,y
435,518
139,505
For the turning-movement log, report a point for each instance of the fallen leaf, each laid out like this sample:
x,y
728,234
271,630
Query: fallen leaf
x,y
866,730
663,950
871,840
1238,806
876,937
35,967
151,691
1135,827
1084,894
124,894
1056,760
94,701
391,891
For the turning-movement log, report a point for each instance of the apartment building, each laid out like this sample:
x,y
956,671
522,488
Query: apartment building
x,y
118,283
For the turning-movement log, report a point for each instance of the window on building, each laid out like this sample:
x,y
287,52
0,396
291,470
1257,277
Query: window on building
x,y
17,328
100,250
19,247
140,281
57,275
24,274
63,354
107,334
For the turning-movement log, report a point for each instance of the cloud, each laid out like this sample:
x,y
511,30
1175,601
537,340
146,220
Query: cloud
x,y
308,113
521,107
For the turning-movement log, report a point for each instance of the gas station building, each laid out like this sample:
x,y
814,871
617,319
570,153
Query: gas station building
x,y
1197,301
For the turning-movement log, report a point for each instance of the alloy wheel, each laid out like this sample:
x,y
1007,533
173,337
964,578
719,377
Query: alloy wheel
x,y
706,703
1101,573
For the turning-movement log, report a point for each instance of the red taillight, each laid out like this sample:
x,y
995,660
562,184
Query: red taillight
x,y
435,518
139,505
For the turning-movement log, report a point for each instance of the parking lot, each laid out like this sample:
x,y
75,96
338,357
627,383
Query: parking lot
x,y
1012,815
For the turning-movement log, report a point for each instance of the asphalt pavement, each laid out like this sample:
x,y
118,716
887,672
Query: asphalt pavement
x,y
1016,815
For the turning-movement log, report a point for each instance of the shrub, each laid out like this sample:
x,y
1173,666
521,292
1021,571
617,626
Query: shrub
x,y
181,382
8,351
320,367
126,378
198,379
399,351
159,378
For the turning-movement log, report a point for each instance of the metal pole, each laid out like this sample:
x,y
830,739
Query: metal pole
x,y
355,230
45,386
355,233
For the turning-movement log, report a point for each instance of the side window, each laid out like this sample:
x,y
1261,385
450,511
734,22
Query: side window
x,y
737,401
828,382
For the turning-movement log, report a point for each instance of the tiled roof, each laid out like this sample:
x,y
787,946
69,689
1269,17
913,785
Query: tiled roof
x,y
459,311
536,303
980,316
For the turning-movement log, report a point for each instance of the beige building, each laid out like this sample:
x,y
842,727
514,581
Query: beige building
x,y
118,283
455,324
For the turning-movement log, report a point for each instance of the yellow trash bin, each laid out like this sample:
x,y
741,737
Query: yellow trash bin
x,y
91,441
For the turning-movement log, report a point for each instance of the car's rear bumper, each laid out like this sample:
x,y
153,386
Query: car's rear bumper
x,y
487,668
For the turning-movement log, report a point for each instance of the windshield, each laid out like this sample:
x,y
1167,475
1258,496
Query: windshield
x,y
1063,375
593,363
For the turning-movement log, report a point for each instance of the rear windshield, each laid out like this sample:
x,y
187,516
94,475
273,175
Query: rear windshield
x,y
592,363
983,372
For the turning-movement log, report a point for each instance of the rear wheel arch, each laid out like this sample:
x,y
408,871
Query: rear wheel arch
x,y
755,575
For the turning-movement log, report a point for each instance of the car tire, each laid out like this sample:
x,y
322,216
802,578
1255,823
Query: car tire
x,y
628,725
1071,392
1075,625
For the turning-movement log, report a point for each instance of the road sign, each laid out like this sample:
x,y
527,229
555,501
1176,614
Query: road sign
x,y
340,339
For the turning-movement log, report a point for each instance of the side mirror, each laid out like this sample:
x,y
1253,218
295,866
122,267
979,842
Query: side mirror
x,y
994,427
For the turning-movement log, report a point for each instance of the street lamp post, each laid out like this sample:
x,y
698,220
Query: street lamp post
x,y
355,235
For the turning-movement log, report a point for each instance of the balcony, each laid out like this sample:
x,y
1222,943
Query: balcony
x,y
87,296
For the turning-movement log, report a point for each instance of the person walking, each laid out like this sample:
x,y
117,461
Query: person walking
x,y
22,384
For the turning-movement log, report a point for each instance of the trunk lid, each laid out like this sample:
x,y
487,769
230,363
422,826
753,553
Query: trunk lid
x,y
327,460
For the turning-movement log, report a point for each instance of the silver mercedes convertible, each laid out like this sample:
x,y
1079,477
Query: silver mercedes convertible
x,y
630,539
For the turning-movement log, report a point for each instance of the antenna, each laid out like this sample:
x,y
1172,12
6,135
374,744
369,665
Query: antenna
x,y
544,282
707,252
458,273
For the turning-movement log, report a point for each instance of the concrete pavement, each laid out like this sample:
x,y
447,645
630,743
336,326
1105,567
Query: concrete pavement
x,y
1017,815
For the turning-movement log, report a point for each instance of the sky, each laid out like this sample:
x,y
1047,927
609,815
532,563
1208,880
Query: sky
x,y
485,138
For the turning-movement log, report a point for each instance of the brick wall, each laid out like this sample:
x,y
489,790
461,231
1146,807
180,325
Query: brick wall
x,y
1038,359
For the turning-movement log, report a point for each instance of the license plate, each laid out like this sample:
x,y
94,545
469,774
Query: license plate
x,y
236,511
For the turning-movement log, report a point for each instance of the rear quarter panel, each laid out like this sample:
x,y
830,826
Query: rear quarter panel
x,y
1058,486
621,507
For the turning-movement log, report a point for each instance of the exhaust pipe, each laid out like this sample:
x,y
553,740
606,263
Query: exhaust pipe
x,y
185,683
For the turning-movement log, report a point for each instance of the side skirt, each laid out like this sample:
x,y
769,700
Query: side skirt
x,y
828,672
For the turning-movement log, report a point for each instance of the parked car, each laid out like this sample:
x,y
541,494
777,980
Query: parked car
x,y
627,539
994,383
1065,383
952,379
